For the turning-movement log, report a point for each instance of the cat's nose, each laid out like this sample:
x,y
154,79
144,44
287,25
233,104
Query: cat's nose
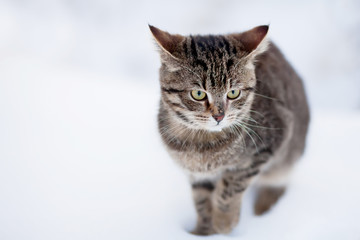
x,y
219,117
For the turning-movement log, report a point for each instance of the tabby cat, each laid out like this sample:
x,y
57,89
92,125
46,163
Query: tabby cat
x,y
233,112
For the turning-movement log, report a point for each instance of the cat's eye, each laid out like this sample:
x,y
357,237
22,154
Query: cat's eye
x,y
232,94
198,95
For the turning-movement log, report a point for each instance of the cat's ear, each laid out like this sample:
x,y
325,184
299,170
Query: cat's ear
x,y
253,40
169,43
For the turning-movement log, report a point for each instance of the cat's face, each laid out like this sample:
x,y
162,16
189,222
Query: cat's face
x,y
212,99
208,81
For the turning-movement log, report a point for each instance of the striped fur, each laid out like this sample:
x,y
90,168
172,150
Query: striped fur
x,y
262,132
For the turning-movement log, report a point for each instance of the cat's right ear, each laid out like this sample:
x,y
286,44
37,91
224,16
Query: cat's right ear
x,y
253,41
168,43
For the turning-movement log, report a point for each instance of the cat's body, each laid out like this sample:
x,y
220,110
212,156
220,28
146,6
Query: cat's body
x,y
225,141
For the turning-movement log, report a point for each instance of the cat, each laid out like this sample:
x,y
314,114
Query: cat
x,y
233,112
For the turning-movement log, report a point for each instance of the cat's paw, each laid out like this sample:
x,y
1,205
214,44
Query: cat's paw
x,y
203,231
266,198
224,222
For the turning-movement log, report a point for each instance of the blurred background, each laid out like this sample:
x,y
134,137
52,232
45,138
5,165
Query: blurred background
x,y
80,156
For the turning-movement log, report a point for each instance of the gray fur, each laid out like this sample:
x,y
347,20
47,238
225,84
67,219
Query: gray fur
x,y
263,132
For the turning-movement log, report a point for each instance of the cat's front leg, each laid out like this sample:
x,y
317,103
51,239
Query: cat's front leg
x,y
202,192
227,197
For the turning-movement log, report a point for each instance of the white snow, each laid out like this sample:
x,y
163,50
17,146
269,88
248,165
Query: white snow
x,y
80,156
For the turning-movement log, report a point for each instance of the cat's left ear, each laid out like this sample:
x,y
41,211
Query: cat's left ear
x,y
253,41
169,43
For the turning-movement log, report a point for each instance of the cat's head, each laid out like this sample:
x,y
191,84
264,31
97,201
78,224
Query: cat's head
x,y
208,81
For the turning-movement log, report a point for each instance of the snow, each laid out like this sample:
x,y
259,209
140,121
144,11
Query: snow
x,y
80,156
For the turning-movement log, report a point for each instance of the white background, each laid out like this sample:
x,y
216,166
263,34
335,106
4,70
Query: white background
x,y
80,156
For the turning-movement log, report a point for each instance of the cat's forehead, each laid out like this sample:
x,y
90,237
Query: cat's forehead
x,y
210,47
211,53
213,56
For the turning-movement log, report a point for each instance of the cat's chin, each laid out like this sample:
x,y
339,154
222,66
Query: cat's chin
x,y
216,128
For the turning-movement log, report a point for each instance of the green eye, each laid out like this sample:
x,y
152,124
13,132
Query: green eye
x,y
198,95
232,94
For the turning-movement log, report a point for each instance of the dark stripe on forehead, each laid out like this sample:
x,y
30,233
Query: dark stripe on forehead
x,y
221,42
201,46
220,53
185,48
234,51
223,77
209,52
193,48
227,46
211,41
229,64
212,78
194,52
202,64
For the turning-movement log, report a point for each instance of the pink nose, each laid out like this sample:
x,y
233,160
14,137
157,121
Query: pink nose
x,y
219,117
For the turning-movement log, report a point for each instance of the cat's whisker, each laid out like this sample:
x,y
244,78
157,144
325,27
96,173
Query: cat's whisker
x,y
260,95
251,130
256,126
248,131
250,119
253,111
187,137
236,130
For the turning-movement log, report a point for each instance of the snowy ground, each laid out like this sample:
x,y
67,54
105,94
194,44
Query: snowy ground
x,y
80,156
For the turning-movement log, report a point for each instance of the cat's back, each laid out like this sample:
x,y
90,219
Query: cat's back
x,y
280,86
277,79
